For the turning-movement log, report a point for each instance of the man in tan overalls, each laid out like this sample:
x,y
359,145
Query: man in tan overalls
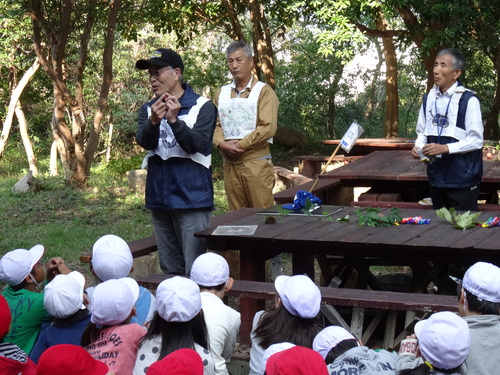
x,y
248,118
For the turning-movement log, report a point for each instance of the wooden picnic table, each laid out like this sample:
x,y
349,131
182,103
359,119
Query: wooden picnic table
x,y
305,237
396,169
364,146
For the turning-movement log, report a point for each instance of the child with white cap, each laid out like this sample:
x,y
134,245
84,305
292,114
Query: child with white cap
x,y
178,323
479,305
112,259
64,300
13,361
110,337
294,318
211,272
343,354
443,345
22,271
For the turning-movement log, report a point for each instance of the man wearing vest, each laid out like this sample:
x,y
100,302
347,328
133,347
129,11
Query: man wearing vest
x,y
177,127
248,118
450,136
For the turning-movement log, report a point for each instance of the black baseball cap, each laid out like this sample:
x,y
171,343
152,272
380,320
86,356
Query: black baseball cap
x,y
162,57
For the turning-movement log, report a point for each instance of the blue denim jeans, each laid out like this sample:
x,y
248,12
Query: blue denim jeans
x,y
174,231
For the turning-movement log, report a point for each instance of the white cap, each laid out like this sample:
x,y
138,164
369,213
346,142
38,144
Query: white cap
x,y
210,269
113,301
17,264
300,296
111,258
178,299
444,340
273,349
63,296
483,280
329,337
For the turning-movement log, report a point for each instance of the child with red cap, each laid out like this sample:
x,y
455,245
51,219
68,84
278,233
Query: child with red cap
x,y
179,362
296,361
13,361
22,271
66,359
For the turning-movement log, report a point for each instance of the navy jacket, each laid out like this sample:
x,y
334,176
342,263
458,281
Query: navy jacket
x,y
179,183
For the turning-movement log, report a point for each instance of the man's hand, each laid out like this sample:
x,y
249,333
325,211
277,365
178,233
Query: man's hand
x,y
414,153
433,149
231,149
166,107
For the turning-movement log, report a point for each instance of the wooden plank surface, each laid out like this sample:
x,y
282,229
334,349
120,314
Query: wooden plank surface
x,y
339,297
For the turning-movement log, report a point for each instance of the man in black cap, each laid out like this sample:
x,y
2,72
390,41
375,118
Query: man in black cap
x,y
177,128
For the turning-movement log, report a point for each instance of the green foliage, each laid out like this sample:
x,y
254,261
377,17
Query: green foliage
x,y
372,217
459,221
122,165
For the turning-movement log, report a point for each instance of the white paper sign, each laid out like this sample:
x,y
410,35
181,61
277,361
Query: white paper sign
x,y
351,136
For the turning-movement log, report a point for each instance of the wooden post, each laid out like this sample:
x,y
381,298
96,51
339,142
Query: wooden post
x,y
324,168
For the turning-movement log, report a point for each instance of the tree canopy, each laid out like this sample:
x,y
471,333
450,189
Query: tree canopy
x,y
308,50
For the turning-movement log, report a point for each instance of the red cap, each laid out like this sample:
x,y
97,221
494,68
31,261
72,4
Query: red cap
x,y
296,361
5,317
66,359
179,362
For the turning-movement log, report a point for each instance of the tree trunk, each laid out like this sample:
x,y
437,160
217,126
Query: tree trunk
x,y
391,86
372,100
262,42
53,160
330,126
102,104
23,128
14,98
491,131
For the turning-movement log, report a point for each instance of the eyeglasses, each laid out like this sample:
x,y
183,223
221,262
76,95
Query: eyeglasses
x,y
159,72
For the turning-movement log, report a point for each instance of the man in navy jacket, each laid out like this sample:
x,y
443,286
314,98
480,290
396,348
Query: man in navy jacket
x,y
177,128
450,136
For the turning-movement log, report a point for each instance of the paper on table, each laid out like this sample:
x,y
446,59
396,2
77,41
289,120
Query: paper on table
x,y
235,230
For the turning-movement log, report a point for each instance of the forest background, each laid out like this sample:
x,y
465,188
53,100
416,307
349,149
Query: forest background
x,y
69,90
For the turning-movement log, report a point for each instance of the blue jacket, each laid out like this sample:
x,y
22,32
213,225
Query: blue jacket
x,y
55,335
179,183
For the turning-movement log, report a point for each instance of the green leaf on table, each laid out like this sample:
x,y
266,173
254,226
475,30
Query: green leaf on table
x,y
460,221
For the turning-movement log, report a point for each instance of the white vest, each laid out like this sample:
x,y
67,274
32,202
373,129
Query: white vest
x,y
167,144
238,116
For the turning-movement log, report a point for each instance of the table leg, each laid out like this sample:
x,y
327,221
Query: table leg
x,y
252,267
303,264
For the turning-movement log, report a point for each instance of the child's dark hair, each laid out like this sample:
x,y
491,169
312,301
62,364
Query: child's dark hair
x,y
72,319
92,331
178,335
218,288
481,307
340,349
279,325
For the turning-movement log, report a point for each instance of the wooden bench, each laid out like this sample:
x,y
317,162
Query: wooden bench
x,y
310,165
355,301
140,247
